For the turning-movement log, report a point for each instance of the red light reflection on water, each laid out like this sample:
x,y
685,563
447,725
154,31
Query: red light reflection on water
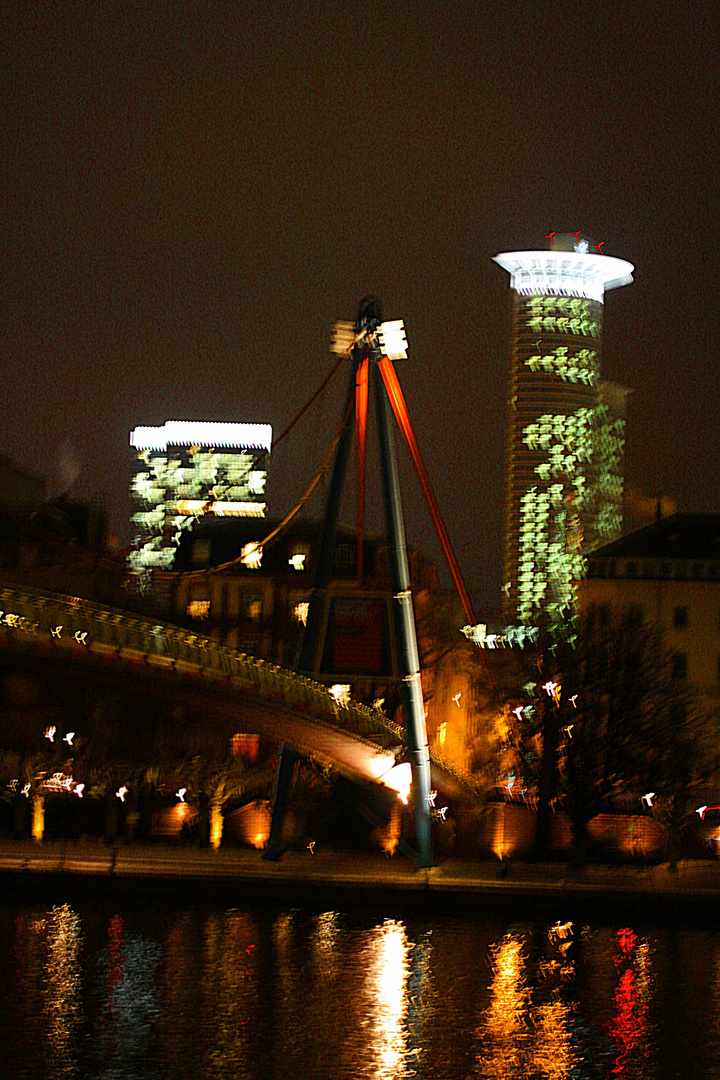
x,y
628,1028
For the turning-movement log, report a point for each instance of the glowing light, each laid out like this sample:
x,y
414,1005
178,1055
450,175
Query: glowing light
x,y
81,637
565,273
550,238
573,699
219,507
456,699
569,730
378,703
198,609
441,732
392,341
701,811
341,693
552,689
69,738
297,561
55,631
300,612
202,433
399,779
122,793
181,794
648,798
518,712
26,790
50,733
432,797
441,812
342,337
251,556
79,788
311,847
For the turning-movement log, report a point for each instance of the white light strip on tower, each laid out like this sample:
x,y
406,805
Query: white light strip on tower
x,y
566,273
202,433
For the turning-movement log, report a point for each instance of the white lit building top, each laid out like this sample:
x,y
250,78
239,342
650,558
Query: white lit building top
x,y
202,433
186,470
565,273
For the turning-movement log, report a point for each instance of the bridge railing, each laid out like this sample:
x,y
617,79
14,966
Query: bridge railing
x,y
71,622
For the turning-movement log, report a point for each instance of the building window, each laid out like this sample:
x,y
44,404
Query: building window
x,y
251,556
697,570
679,665
680,618
635,615
298,556
200,552
665,569
632,569
198,609
253,609
345,556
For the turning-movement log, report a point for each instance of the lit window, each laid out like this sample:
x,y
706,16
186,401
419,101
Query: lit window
x,y
442,733
251,556
198,609
254,609
300,612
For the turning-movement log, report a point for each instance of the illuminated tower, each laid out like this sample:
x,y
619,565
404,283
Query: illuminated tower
x,y
565,453
186,469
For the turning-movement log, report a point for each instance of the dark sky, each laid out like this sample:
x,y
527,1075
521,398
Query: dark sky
x,y
194,192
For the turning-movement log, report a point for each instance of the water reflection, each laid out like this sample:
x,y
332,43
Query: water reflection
x,y
188,993
129,1000
63,987
520,1036
628,1027
384,999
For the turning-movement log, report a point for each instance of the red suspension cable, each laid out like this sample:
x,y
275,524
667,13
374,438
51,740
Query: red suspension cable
x,y
361,409
399,407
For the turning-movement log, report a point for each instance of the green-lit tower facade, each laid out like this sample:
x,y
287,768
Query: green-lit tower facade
x,y
566,426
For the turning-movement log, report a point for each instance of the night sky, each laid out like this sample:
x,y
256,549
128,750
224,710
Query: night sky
x,y
194,192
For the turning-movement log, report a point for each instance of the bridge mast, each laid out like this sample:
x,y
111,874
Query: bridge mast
x,y
371,349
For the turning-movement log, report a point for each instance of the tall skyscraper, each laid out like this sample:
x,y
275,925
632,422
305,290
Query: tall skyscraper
x,y
566,437
186,469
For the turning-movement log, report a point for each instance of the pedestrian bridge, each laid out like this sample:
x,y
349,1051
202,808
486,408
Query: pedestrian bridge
x,y
360,742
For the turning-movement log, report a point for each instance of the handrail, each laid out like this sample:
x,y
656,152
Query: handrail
x,y
78,624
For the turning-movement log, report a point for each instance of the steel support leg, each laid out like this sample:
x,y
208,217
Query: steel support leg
x,y
416,735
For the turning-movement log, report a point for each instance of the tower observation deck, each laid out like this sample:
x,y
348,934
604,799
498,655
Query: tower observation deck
x,y
566,426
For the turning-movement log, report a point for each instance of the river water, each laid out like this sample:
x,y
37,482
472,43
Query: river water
x,y
147,988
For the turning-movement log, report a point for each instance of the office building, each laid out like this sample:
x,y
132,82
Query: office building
x,y
667,575
566,428
186,470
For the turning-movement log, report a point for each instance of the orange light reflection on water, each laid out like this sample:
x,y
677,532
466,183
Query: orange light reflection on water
x,y
520,1037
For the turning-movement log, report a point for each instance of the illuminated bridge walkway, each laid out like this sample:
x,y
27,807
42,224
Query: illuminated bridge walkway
x,y
358,741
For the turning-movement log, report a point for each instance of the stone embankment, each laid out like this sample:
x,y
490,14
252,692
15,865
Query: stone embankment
x,y
316,875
